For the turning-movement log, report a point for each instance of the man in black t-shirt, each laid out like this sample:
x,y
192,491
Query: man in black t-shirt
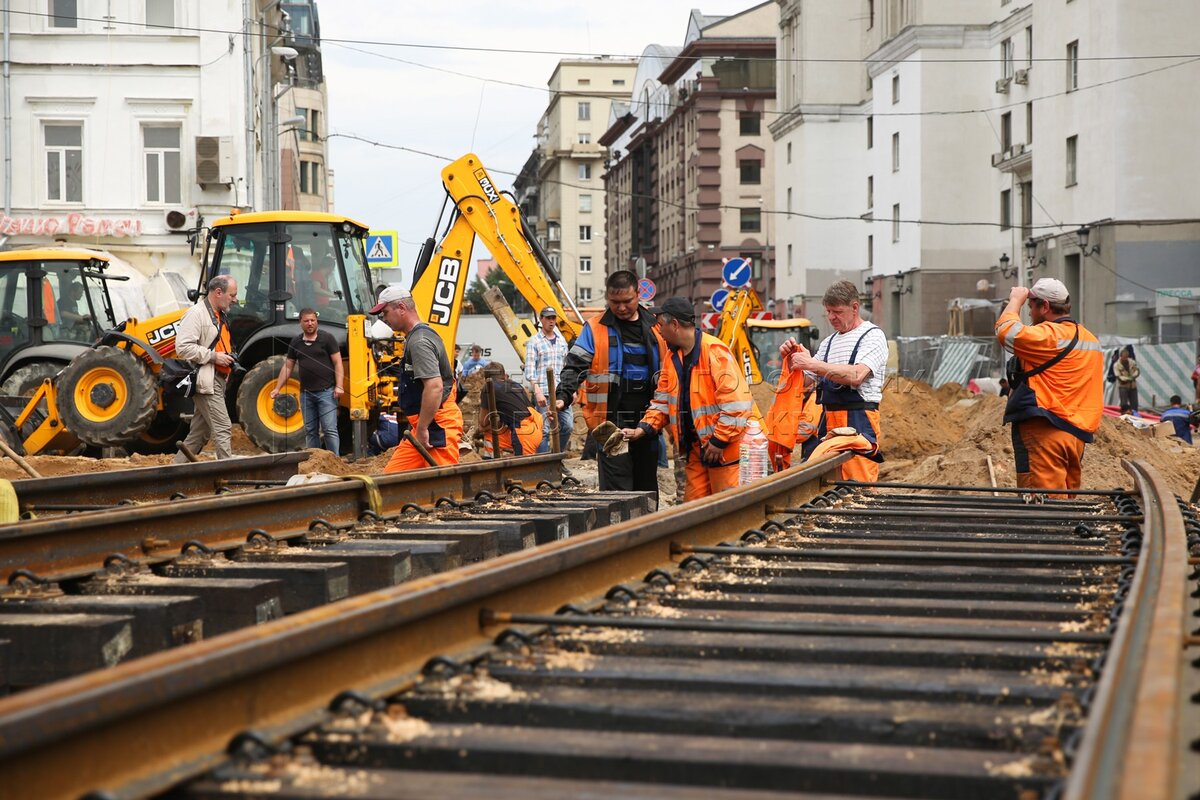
x,y
320,361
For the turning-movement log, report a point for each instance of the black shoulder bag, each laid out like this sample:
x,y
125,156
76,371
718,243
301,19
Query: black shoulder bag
x,y
178,376
1017,376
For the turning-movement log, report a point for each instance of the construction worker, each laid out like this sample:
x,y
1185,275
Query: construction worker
x,y
1057,386
426,386
518,423
703,393
615,361
849,368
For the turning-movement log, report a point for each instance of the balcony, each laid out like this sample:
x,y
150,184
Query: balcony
x,y
1018,158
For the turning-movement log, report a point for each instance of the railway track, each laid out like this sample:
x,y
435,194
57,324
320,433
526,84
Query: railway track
x,y
784,638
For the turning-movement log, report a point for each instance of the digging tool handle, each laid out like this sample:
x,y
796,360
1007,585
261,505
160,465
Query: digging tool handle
x,y
187,452
415,442
493,417
552,410
20,462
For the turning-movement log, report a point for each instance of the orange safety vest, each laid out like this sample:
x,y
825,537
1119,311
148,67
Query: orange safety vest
x,y
1070,394
721,403
794,416
598,382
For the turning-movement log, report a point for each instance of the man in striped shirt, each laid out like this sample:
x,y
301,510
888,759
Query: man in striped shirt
x,y
546,350
849,367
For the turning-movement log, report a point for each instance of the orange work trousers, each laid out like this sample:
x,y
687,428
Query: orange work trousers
x,y
405,457
529,434
860,468
1047,458
703,480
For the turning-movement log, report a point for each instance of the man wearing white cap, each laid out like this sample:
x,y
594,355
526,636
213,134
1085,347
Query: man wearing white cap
x,y
426,385
1057,386
547,349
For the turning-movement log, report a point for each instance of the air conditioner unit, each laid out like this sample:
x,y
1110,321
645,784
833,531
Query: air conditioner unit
x,y
1016,150
214,160
997,158
178,219
1002,85
1021,76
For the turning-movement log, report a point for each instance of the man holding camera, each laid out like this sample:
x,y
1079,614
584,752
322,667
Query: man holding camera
x,y
1057,386
202,337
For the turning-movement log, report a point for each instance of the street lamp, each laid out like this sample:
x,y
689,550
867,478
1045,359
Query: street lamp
x,y
1083,234
270,145
1031,254
1005,271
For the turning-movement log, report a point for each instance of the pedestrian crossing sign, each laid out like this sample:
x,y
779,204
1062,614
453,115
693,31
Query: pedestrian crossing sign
x,y
381,249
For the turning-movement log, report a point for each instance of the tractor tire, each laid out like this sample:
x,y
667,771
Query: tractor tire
x,y
162,435
274,424
106,397
24,382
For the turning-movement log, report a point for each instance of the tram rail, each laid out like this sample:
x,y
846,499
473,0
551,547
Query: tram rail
x,y
762,640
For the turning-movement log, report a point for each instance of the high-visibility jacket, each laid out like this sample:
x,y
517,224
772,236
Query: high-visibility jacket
x,y
720,398
1070,394
599,345
793,417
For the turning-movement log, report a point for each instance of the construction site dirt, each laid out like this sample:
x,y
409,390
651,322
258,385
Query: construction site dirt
x,y
929,436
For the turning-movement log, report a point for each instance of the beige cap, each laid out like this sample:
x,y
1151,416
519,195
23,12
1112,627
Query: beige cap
x,y
1051,290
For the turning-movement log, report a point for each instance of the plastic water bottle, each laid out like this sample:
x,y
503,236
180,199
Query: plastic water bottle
x,y
754,461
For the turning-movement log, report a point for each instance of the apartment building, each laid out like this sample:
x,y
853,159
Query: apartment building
x,y
305,179
981,138
694,158
132,121
563,177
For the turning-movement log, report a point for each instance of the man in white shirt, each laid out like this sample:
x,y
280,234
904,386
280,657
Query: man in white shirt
x,y
849,366
547,349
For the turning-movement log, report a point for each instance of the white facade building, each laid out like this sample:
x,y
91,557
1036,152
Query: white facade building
x,y
975,136
128,122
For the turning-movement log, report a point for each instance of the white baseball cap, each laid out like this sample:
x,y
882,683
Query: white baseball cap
x,y
390,295
1051,290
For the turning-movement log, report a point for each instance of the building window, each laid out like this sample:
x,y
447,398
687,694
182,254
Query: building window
x,y
1006,130
1028,46
585,233
749,123
618,81
789,152
1029,123
160,146
585,263
1005,209
895,89
751,220
789,260
751,170
64,162
553,232
555,261
896,222
310,177
585,204
1026,209
870,191
64,13
585,172
870,14
870,251
585,81
1072,147
585,138
160,13
313,134
896,152
1006,58
870,132
585,110
1073,66
585,294
789,200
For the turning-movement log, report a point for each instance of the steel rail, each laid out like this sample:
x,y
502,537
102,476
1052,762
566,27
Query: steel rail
x,y
1131,743
152,484
76,545
147,724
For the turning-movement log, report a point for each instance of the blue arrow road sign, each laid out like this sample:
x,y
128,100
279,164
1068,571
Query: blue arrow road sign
x,y
736,272
718,299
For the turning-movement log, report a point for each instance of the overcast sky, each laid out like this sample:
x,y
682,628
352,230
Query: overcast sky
x,y
420,105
